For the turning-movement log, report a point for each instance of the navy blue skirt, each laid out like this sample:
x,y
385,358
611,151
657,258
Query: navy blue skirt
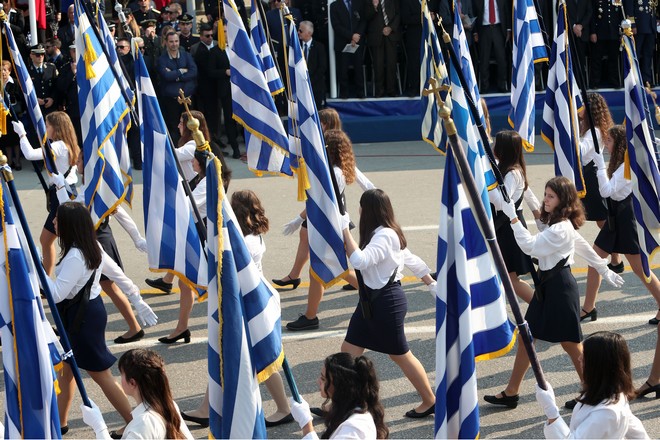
x,y
384,331
594,204
619,234
53,204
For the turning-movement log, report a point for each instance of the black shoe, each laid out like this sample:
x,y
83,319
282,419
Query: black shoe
x,y
202,421
116,435
136,337
303,323
286,419
415,415
287,281
617,268
648,390
348,287
570,404
654,321
159,284
510,401
64,429
593,315
236,154
318,411
185,335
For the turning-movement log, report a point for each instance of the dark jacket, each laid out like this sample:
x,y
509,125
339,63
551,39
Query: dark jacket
x,y
580,12
218,65
376,22
504,8
643,13
605,20
44,84
171,78
346,23
317,64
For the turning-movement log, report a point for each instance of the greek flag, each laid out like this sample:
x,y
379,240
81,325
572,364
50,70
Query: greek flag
x,y
459,41
471,318
27,338
528,49
433,66
173,244
326,242
642,153
103,113
245,339
265,137
560,111
33,109
258,37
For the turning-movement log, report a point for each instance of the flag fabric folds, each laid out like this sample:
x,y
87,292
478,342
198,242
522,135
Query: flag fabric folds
x,y
433,66
560,127
528,49
471,318
244,322
460,44
265,137
29,376
268,67
173,243
326,241
103,113
641,157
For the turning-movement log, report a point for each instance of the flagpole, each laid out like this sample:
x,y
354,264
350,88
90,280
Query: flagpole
x,y
484,224
290,380
8,177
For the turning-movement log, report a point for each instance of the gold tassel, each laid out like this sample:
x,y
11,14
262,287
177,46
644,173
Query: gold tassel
x,y
89,57
3,119
303,180
222,38
626,166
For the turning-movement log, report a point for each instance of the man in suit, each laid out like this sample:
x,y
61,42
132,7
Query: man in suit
x,y
350,25
219,71
68,90
44,77
642,14
208,101
579,19
67,33
604,37
317,60
274,22
492,32
411,10
383,37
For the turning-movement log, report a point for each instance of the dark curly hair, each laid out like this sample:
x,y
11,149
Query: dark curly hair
x,y
249,212
340,153
569,207
600,113
355,388
619,147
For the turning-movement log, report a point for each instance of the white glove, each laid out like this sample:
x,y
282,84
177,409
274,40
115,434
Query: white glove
x,y
93,418
293,225
300,412
58,180
510,210
19,128
433,288
612,278
546,398
345,221
141,245
145,315
599,161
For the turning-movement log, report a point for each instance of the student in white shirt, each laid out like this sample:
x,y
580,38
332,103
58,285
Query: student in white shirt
x,y
619,234
350,386
156,416
602,410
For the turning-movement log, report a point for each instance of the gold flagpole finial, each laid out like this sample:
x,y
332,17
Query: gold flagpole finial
x,y
443,111
193,124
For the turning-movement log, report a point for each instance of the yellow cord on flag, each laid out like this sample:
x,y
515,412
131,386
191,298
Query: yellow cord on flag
x,y
626,166
303,180
222,38
89,57
3,111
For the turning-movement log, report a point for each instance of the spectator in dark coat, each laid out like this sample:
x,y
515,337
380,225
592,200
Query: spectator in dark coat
x,y
350,25
317,61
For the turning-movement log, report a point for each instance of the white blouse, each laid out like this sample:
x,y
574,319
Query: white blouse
x,y
617,188
587,148
61,153
199,196
555,243
148,424
603,421
380,258
514,184
357,426
186,154
257,248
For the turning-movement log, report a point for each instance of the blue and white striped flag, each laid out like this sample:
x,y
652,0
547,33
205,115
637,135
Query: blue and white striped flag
x,y
265,137
30,96
103,112
433,66
642,154
258,38
560,112
460,44
245,331
173,244
528,49
29,377
471,318
326,241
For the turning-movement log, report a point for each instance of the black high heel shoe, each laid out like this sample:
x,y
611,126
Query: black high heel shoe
x,y
287,281
510,401
202,421
593,315
185,335
650,389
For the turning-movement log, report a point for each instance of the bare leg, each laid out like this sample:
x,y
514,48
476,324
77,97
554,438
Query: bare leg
x,y
168,278
522,289
654,375
347,347
520,367
123,305
202,410
186,301
67,389
574,350
653,286
113,392
47,241
302,256
275,387
593,284
414,370
314,297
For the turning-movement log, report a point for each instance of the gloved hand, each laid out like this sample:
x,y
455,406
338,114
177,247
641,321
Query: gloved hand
x,y
58,180
19,128
599,161
345,221
146,317
612,278
433,288
510,210
300,412
93,418
293,225
546,398
141,245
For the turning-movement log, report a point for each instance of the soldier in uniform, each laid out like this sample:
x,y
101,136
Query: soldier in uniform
x,y
186,37
152,46
145,12
604,39
642,14
44,76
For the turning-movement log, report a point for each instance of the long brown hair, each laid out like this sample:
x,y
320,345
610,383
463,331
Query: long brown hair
x,y
569,207
76,229
147,369
355,385
619,147
340,153
509,152
377,211
250,214
329,119
600,113
63,131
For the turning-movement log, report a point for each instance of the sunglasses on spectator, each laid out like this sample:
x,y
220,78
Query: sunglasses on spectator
x,y
122,47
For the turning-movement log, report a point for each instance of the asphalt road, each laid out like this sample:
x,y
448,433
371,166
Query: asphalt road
x,y
411,173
